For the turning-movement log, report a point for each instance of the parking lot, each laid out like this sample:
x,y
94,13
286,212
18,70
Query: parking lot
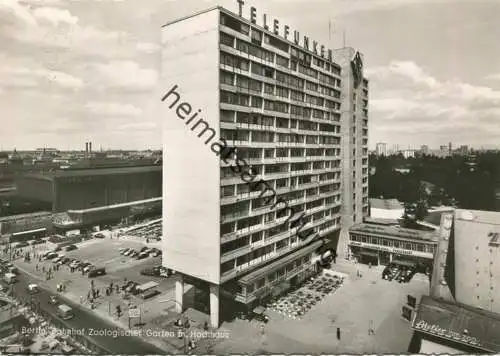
x,y
120,270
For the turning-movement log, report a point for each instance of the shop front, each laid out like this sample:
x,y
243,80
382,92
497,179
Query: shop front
x,y
384,255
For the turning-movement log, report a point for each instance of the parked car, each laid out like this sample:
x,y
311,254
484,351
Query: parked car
x,y
99,236
83,265
97,272
50,256
57,249
155,252
57,259
142,255
131,287
71,247
122,250
63,261
144,249
134,254
88,268
75,264
127,253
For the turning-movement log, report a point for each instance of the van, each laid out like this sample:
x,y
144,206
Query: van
x,y
97,272
33,288
65,312
10,278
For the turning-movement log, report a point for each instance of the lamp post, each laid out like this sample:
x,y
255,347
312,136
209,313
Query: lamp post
x,y
184,327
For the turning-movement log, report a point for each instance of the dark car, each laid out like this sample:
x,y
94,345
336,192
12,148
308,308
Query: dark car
x,y
71,247
51,256
97,272
99,236
144,249
57,249
142,255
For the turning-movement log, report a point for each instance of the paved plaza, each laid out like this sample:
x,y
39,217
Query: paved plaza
x,y
350,308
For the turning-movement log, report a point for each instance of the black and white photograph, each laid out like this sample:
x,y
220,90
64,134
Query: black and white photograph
x,y
255,177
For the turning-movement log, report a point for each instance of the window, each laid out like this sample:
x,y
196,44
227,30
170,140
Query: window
x,y
256,102
282,92
226,78
226,39
268,88
282,61
234,24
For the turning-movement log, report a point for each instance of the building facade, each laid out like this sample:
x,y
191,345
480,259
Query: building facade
x,y
381,149
278,130
385,244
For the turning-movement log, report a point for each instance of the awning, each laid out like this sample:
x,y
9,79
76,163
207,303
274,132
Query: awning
x,y
259,310
404,263
369,253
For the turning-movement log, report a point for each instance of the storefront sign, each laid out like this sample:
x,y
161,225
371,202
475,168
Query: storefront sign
x,y
313,46
397,251
446,333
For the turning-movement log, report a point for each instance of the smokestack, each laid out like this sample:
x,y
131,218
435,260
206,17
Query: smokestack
x,y
90,147
86,147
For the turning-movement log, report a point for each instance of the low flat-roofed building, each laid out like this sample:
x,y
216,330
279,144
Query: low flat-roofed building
x,y
442,327
378,244
386,208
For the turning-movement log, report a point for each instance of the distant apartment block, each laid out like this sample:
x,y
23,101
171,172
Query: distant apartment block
x,y
381,149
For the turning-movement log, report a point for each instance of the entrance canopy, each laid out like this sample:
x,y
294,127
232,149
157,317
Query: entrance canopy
x,y
404,263
369,253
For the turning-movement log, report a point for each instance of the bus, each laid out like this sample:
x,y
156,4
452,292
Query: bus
x,y
24,236
65,311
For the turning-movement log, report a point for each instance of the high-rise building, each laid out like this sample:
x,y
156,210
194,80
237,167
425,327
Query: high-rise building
x,y
265,154
424,149
381,149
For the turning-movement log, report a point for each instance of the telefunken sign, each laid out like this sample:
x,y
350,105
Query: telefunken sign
x,y
313,46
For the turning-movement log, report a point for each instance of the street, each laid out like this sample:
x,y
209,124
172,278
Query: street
x,y
88,321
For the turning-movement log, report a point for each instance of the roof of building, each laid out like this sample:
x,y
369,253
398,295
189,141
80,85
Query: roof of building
x,y
261,272
381,221
386,204
478,216
434,217
393,231
459,323
116,206
16,217
94,172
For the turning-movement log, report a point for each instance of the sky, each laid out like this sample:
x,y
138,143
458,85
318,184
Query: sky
x,y
73,71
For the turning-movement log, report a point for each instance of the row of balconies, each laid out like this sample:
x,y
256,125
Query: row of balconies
x,y
265,128
266,225
274,144
267,47
253,212
278,114
252,195
273,160
274,239
270,256
274,97
235,179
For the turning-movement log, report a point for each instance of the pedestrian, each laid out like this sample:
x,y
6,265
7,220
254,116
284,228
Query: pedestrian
x,y
81,299
36,267
338,333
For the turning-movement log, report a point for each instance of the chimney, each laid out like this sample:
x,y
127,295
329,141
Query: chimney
x,y
86,147
90,147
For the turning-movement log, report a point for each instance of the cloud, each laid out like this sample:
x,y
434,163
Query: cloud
x,y
495,76
55,16
405,97
30,77
127,75
12,7
113,109
147,47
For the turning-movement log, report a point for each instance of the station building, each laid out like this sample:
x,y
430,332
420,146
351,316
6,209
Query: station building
x,y
294,116
76,189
